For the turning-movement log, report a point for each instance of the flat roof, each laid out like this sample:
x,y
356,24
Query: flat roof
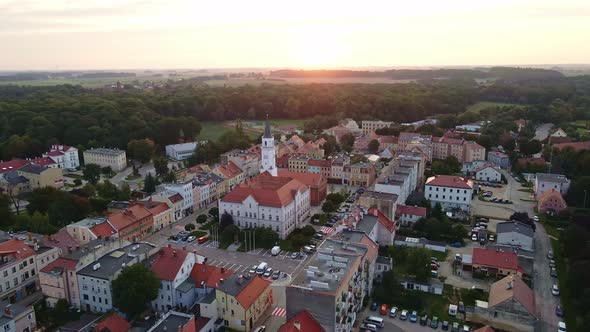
x,y
90,222
105,151
112,262
171,322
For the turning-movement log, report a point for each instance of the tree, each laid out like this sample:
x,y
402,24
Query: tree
x,y
5,212
329,206
107,170
161,165
124,193
134,289
389,288
189,227
374,146
108,190
419,263
437,212
529,147
89,190
347,142
149,184
201,219
91,173
77,182
214,212
230,234
226,220
141,149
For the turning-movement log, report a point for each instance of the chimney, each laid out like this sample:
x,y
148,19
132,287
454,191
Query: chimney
x,y
297,325
8,311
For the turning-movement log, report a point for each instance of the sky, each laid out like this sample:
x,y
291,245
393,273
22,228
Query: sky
x,y
140,34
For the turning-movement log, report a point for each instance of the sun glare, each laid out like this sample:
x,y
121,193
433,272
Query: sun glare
x,y
313,47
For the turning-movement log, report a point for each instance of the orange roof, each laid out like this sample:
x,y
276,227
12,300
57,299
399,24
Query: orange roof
x,y
64,263
306,323
168,263
578,146
499,259
132,214
412,210
113,323
267,190
551,194
310,179
208,275
159,208
103,229
252,291
175,198
512,287
383,220
17,247
449,181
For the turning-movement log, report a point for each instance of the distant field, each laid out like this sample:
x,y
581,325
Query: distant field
x,y
485,104
86,82
212,130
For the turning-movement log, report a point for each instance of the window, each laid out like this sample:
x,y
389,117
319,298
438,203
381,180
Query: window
x,y
5,273
15,281
31,260
85,296
84,287
106,301
14,269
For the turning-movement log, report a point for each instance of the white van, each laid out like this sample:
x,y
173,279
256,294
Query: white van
x,y
452,310
261,268
375,320
275,250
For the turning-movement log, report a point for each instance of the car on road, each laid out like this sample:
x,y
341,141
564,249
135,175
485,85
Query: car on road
x,y
553,273
551,263
455,327
268,273
393,312
559,312
536,218
374,306
550,254
555,290
434,322
276,275
295,255
191,238
561,327
369,326
474,237
318,236
424,320
384,309
414,317
403,315
445,325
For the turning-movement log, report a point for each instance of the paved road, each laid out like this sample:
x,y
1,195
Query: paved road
x,y
542,131
395,324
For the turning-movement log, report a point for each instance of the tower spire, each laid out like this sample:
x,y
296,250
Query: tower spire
x,y
268,162
267,133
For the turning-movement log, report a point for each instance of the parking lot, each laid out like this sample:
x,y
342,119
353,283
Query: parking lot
x,y
395,324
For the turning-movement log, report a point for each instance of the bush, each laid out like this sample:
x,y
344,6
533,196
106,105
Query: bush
x,y
201,219
77,182
189,227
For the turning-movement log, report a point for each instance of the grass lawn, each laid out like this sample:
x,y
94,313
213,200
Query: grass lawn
x,y
208,225
132,177
552,225
198,234
485,104
212,130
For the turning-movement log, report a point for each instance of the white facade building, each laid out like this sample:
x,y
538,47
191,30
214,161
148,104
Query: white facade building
x,y
488,173
546,181
64,156
268,163
450,191
113,158
181,151
186,191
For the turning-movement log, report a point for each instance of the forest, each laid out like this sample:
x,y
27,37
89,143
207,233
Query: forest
x,y
32,118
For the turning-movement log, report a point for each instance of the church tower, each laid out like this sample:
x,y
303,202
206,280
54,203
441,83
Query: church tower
x,y
268,152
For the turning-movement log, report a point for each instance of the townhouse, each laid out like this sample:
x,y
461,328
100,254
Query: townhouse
x,y
133,224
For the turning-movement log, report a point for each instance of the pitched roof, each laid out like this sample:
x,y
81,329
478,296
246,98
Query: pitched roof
x,y
488,166
267,190
486,328
548,177
33,168
55,153
304,321
103,229
514,226
168,263
113,323
549,195
383,220
252,291
412,210
578,146
200,323
60,264
129,216
175,198
499,259
449,181
310,179
498,154
62,239
208,275
17,247
267,133
12,165
510,287
524,161
43,161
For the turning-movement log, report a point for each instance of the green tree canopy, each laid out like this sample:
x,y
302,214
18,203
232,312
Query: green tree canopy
x,y
134,289
91,173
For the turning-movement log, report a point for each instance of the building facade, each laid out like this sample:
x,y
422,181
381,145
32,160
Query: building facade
x,y
449,191
371,126
268,152
489,174
103,157
242,301
64,156
181,151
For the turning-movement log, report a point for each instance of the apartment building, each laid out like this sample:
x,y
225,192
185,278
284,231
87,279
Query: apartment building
x,y
231,173
359,174
450,191
317,183
382,201
95,280
17,318
18,270
63,156
337,169
184,189
247,161
103,157
371,126
133,224
161,213
545,181
298,163
242,301
499,159
41,176
174,201
181,151
90,229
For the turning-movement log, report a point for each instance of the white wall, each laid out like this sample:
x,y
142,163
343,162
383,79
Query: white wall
x,y
449,197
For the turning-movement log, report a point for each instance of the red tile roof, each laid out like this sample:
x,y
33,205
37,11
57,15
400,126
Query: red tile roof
x,y
19,248
488,166
310,179
252,291
412,210
45,161
558,140
55,153
208,275
450,181
493,258
388,139
154,207
498,153
168,263
12,165
550,195
132,214
64,263
578,146
319,162
113,323
512,287
60,147
104,230
62,239
267,190
383,220
175,198
305,321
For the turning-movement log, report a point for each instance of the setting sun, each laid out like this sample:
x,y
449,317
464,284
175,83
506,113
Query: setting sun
x,y
314,47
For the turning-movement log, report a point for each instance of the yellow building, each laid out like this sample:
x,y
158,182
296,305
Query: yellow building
x,y
360,174
241,301
42,176
113,158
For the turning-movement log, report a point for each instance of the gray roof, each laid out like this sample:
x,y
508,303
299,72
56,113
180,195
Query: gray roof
x,y
105,151
233,285
185,286
547,177
112,262
367,224
14,178
267,133
17,309
383,260
514,226
183,147
209,298
83,324
33,168
379,195
171,322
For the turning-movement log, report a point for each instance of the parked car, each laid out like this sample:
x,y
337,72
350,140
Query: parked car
x,y
445,325
319,236
561,327
424,320
466,328
414,317
536,218
268,273
455,327
276,275
559,312
551,263
461,307
393,312
191,238
403,315
474,237
553,273
550,254
384,309
555,290
457,245
253,269
260,329
434,267
487,194
434,322
491,238
434,273
374,306
295,255
369,326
